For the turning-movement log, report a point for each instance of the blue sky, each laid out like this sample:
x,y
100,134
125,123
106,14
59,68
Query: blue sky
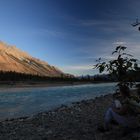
x,y
70,34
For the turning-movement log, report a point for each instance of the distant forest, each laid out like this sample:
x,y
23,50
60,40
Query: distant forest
x,y
11,77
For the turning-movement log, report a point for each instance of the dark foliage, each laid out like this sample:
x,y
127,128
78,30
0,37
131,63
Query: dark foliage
x,y
123,67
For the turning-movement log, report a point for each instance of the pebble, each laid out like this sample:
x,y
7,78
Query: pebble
x,y
78,121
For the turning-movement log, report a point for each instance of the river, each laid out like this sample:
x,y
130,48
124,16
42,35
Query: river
x,y
18,102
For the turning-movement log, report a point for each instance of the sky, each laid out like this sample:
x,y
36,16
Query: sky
x,y
70,34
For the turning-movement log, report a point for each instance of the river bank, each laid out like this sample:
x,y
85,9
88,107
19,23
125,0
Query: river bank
x,y
22,84
39,84
79,121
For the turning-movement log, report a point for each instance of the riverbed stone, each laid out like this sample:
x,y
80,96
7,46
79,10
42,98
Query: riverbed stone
x,y
78,121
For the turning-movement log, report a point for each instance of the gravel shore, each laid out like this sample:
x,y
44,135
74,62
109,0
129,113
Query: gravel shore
x,y
79,121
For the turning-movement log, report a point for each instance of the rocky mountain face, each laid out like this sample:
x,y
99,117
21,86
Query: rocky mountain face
x,y
13,59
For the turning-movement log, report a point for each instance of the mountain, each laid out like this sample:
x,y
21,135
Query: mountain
x,y
13,59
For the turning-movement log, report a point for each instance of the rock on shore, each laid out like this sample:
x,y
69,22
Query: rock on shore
x,y
78,121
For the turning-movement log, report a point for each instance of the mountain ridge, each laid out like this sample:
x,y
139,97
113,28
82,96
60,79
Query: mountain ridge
x,y
16,60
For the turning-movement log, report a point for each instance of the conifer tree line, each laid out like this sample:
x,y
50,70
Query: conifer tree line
x,y
9,76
